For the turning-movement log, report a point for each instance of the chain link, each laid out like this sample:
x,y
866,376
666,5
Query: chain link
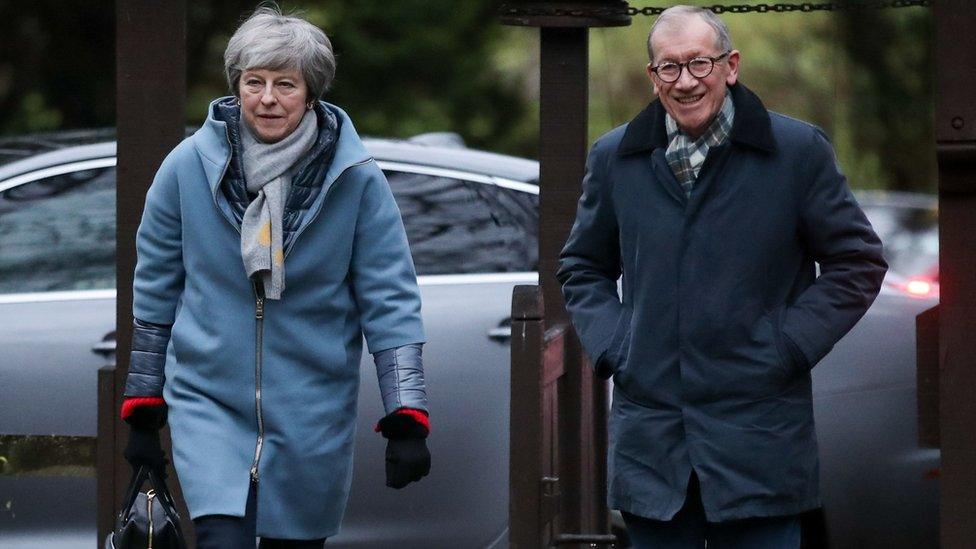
x,y
805,7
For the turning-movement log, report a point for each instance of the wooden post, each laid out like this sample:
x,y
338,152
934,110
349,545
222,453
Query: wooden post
x,y
572,404
955,132
150,106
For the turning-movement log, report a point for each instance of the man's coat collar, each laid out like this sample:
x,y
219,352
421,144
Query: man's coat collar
x,y
751,126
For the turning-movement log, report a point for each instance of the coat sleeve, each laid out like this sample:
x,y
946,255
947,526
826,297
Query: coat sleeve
x,y
383,277
159,274
834,229
589,265
156,289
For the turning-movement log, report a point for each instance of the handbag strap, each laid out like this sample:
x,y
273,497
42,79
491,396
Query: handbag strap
x,y
139,477
158,481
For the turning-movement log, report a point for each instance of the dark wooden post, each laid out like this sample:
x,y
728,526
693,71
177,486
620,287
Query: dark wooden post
x,y
150,106
564,400
533,475
955,132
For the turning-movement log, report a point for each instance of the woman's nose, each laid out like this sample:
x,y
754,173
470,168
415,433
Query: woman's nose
x,y
268,96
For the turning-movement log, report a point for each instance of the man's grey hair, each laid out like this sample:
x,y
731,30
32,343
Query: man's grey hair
x,y
272,41
675,16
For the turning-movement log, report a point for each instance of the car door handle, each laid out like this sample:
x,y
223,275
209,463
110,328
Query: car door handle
x,y
105,347
502,332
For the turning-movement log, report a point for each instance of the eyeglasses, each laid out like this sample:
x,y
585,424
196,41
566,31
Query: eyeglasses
x,y
699,67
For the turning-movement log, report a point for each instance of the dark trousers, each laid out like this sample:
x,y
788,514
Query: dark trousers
x,y
227,532
689,530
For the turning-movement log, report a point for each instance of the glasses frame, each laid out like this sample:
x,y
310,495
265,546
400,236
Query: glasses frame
x,y
687,64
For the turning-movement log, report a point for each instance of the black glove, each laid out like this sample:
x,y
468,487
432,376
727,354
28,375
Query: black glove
x,y
144,449
407,460
407,456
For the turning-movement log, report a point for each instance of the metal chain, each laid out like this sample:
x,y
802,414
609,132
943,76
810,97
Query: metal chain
x,y
805,7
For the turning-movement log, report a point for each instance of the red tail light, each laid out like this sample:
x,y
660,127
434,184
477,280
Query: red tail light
x,y
920,287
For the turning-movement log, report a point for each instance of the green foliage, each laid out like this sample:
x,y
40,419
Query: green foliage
x,y
56,66
414,66
864,76
34,115
404,68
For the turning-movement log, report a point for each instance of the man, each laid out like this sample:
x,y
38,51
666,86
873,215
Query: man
x,y
714,210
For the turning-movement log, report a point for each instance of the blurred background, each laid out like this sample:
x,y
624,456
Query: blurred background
x,y
415,66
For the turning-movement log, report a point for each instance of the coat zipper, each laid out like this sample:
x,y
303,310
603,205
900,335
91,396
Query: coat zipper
x,y
258,351
259,312
149,510
259,339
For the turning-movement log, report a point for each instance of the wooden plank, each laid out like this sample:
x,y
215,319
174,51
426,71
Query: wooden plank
x,y
955,131
105,452
927,376
526,409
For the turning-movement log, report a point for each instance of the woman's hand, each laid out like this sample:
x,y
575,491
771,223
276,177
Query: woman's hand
x,y
407,456
145,416
145,450
407,460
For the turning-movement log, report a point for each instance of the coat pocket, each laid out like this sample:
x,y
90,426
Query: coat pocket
x,y
787,355
611,361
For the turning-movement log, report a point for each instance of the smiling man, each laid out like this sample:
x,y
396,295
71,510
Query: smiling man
x,y
715,212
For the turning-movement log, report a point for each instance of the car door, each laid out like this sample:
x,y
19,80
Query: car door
x,y
57,302
473,238
879,487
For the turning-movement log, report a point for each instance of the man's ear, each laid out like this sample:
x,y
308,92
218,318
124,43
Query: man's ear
x,y
733,61
650,76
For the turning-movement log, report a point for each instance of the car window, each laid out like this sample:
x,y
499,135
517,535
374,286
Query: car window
x,y
58,233
460,227
910,237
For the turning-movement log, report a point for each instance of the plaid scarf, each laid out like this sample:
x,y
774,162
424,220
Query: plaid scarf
x,y
686,156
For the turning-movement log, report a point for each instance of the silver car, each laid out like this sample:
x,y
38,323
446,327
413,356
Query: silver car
x,y
471,218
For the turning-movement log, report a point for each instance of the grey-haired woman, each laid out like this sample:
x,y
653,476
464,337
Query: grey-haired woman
x,y
269,246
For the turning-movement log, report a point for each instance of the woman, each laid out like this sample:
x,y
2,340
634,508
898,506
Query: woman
x,y
269,246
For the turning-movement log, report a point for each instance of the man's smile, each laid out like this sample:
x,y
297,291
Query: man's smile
x,y
692,99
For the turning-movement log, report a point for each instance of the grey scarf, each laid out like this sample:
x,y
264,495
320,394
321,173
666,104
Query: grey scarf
x,y
267,172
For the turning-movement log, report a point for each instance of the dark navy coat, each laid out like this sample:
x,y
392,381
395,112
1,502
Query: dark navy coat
x,y
722,313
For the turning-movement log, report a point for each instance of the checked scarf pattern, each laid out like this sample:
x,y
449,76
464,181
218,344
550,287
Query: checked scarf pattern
x,y
685,155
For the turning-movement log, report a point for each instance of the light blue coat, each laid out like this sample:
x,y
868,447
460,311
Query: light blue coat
x,y
349,274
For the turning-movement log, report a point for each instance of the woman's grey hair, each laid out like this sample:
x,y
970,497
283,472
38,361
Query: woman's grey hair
x,y
272,41
674,16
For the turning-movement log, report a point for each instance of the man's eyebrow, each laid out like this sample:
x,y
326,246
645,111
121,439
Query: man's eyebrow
x,y
674,59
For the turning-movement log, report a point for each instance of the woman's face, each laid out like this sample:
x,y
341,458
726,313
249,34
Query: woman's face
x,y
272,102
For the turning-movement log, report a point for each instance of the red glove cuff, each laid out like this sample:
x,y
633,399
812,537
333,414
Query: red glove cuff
x,y
416,415
130,404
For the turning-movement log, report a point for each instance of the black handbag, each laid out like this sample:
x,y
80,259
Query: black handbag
x,y
148,520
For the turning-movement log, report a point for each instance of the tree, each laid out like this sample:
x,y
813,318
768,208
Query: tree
x,y
891,75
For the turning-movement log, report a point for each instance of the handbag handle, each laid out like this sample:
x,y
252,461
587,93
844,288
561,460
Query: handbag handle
x,y
158,481
139,477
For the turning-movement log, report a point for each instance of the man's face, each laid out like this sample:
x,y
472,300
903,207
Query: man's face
x,y
692,102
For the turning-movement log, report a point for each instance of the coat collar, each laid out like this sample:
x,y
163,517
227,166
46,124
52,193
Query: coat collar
x,y
751,126
213,144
